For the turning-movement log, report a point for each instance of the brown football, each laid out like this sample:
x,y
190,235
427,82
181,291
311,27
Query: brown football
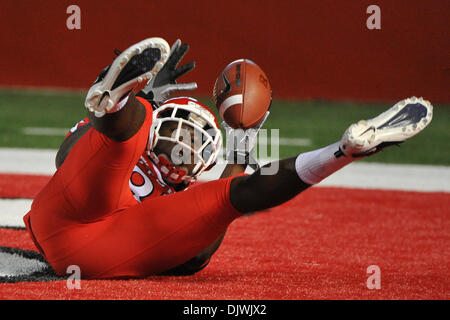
x,y
242,94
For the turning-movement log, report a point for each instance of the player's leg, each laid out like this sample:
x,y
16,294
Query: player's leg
x,y
93,180
399,123
91,183
197,263
96,170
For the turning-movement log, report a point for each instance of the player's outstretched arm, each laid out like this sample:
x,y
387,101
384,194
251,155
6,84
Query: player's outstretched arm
x,y
234,167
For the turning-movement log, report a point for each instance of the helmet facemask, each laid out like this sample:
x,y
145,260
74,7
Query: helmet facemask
x,y
196,138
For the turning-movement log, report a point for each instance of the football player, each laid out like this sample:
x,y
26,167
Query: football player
x,y
120,203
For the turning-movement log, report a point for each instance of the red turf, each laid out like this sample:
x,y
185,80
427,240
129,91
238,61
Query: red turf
x,y
21,185
317,246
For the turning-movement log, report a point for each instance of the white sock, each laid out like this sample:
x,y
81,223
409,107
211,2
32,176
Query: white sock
x,y
314,166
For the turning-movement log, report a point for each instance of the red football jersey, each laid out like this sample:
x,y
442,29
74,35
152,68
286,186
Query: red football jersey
x,y
146,180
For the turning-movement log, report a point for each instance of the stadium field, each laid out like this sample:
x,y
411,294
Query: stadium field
x,y
319,123
377,228
319,245
316,246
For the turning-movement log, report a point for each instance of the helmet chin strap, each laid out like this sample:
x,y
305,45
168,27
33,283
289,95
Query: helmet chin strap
x,y
169,171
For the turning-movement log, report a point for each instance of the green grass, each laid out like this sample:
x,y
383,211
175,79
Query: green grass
x,y
322,122
325,122
20,109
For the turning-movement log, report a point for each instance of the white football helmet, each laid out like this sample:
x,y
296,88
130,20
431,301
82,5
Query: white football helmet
x,y
192,114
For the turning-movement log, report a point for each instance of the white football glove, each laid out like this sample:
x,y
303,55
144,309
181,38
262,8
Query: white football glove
x,y
160,88
240,143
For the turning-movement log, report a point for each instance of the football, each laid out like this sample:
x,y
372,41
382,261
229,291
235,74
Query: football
x,y
242,94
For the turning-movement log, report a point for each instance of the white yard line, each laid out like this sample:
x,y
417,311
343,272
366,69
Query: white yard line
x,y
391,176
27,161
356,175
43,131
39,131
296,142
12,212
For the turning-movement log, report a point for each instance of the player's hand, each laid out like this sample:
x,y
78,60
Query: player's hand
x,y
164,83
240,143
